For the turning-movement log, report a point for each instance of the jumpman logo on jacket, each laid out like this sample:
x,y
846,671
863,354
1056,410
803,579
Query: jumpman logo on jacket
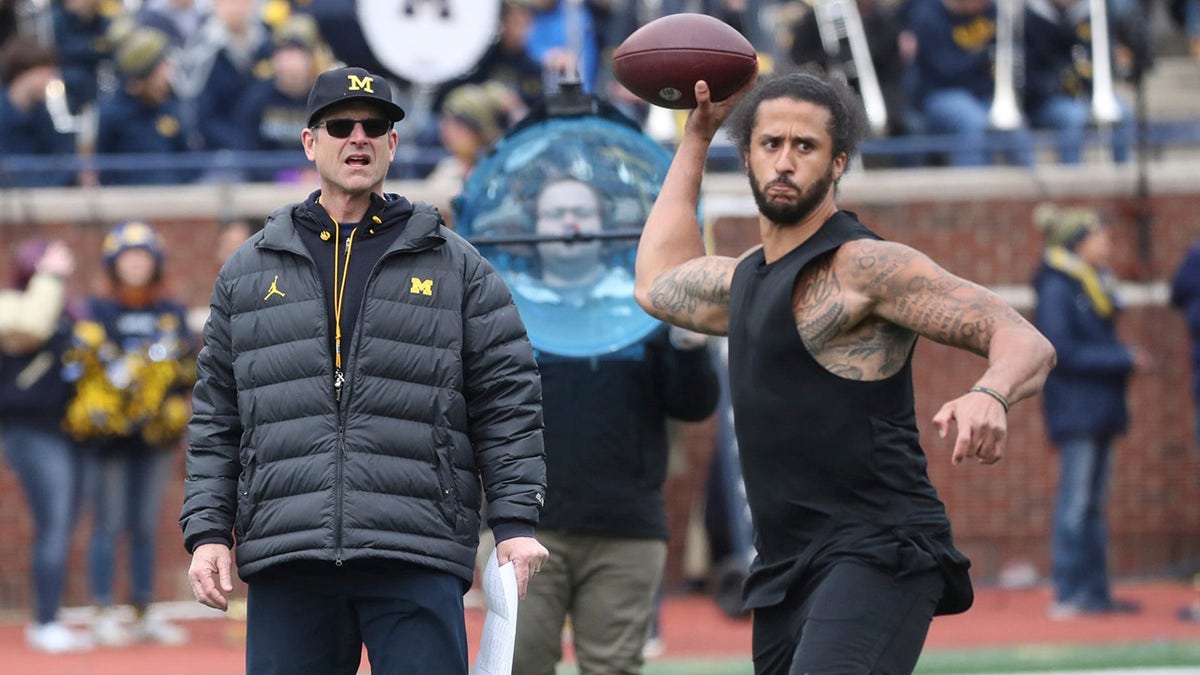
x,y
274,289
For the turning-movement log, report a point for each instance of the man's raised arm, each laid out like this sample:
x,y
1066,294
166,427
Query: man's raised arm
x,y
676,281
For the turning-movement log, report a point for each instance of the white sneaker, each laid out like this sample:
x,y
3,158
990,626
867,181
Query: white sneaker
x,y
1063,611
110,629
158,630
654,648
55,638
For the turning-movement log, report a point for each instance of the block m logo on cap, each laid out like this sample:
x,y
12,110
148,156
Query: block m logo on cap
x,y
361,83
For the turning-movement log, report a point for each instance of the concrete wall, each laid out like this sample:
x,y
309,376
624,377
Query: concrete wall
x,y
974,223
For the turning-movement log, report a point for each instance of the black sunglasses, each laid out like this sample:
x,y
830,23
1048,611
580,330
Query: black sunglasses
x,y
342,128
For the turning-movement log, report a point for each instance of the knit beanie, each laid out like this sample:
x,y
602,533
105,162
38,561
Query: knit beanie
x,y
1065,227
140,52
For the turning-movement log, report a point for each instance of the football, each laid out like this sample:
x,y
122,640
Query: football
x,y
661,61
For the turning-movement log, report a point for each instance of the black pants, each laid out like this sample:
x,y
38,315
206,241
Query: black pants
x,y
410,621
852,619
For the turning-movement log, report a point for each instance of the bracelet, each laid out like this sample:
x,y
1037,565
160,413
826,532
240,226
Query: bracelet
x,y
994,394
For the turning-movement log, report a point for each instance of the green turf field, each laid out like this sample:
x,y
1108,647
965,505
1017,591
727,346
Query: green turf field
x,y
1173,658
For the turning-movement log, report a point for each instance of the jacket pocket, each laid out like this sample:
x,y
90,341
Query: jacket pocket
x,y
243,520
449,499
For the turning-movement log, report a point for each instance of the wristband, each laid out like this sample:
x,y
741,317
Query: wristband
x,y
994,394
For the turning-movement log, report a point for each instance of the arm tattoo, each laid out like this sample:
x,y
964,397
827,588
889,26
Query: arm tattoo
x,y
685,290
953,311
818,304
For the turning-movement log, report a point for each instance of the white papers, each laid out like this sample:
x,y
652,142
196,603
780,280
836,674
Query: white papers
x,y
500,624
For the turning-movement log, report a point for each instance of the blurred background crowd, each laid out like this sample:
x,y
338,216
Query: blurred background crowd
x,y
106,92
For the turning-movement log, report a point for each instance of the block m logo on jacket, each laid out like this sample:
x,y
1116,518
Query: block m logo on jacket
x,y
421,286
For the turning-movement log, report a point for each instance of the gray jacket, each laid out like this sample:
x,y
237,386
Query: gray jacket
x,y
441,390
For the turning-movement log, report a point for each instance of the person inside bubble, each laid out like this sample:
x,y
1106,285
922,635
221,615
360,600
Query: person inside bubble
x,y
571,271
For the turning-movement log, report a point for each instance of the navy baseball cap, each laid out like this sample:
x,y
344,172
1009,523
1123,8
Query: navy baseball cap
x,y
351,84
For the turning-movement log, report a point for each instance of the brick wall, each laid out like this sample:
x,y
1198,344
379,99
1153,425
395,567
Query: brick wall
x,y
1000,513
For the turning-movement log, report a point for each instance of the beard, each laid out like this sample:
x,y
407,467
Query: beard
x,y
793,211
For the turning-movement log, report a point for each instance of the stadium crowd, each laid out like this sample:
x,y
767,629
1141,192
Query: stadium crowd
x,y
214,89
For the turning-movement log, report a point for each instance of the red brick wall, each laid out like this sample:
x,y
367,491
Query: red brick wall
x,y
1000,513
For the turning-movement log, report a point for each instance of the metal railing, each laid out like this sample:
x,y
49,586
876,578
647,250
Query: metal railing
x,y
415,161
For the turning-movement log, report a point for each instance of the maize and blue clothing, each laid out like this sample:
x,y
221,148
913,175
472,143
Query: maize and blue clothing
x,y
272,121
1084,401
128,126
1058,79
129,472
952,83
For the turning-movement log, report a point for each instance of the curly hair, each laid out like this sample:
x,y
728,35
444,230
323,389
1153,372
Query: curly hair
x,y
847,121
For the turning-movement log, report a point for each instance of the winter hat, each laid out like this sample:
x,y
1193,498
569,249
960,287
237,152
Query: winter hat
x,y
141,51
481,108
300,31
132,234
1065,227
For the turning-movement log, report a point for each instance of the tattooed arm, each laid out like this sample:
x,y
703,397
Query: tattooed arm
x,y
905,287
676,281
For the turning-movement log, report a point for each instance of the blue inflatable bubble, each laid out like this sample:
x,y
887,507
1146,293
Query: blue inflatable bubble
x,y
593,177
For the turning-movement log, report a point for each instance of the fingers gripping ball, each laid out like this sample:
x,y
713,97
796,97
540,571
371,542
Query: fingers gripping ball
x,y
661,61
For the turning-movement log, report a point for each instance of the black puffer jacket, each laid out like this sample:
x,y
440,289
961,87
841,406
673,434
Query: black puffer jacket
x,y
441,390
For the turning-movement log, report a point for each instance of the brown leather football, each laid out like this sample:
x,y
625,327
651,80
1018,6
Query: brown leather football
x,y
661,61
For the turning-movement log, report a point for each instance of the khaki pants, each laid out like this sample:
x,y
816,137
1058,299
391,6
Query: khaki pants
x,y
607,586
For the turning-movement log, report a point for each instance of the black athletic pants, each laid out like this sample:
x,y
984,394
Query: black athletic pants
x,y
410,621
852,619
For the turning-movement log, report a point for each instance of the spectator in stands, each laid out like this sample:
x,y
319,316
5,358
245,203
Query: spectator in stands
x,y
953,78
883,40
179,19
34,333
26,67
143,116
564,38
472,119
81,40
130,407
273,111
507,61
218,65
1083,400
1058,75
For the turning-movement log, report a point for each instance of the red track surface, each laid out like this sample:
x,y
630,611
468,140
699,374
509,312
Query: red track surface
x,y
693,628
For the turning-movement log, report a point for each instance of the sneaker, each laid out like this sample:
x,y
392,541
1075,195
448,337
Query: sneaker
x,y
1063,611
55,638
110,629
654,648
160,631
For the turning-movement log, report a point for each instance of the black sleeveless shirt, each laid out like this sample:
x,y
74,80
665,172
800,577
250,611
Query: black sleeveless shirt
x,y
833,467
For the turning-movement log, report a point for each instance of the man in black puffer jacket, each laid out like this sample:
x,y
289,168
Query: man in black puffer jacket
x,y
363,369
